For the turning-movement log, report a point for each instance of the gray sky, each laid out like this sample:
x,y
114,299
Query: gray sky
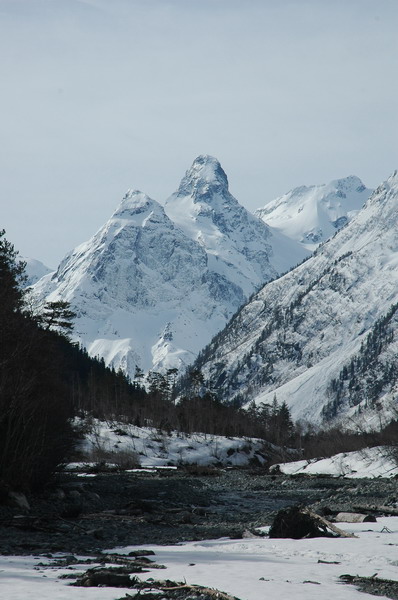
x,y
98,96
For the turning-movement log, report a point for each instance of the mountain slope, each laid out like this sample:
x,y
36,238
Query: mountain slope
x,y
311,215
152,292
34,270
303,335
129,281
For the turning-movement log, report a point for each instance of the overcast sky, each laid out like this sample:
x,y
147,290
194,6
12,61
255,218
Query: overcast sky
x,y
98,96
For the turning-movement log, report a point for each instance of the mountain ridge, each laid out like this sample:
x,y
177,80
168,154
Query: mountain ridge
x,y
150,290
298,333
312,214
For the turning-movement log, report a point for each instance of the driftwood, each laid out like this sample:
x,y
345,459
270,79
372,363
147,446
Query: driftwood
x,y
329,525
120,577
138,560
328,562
346,517
211,592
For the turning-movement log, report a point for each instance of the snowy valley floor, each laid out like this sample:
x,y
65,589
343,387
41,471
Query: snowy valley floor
x,y
118,511
251,569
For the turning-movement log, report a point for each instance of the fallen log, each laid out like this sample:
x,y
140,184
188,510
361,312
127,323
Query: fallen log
x,y
330,525
346,517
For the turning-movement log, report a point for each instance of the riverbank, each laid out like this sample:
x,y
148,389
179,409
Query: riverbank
x,y
89,514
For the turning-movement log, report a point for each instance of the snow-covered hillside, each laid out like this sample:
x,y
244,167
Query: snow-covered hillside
x,y
311,215
369,462
153,448
151,289
323,337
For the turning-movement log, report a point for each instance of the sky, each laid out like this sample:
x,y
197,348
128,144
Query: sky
x,y
98,96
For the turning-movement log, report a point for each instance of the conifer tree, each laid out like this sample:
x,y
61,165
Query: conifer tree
x,y
57,316
34,411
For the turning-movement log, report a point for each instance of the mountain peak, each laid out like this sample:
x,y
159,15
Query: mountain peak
x,y
386,190
310,215
351,183
393,179
205,175
134,202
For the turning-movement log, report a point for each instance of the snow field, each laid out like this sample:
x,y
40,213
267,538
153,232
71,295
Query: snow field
x,y
21,578
255,569
251,569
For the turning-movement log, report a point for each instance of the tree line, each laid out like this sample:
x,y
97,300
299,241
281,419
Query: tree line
x,y
46,381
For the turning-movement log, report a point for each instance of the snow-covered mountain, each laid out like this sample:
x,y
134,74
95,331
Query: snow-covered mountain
x,y
323,338
151,289
311,215
235,241
34,270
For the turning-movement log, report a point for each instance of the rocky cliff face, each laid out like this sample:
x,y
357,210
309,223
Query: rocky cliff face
x,y
154,284
323,338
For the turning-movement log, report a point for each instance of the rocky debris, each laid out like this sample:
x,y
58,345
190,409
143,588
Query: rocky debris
x,y
138,559
387,511
109,577
116,571
174,506
373,585
149,589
